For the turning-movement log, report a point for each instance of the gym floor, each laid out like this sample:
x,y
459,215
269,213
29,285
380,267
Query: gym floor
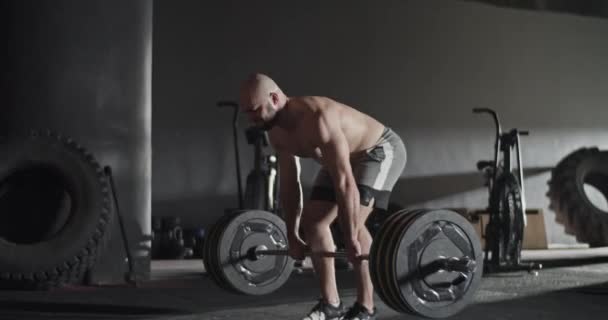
x,y
573,283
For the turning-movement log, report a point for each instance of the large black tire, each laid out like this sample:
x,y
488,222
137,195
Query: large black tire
x,y
572,207
54,211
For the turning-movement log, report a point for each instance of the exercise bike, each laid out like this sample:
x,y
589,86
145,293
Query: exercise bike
x,y
261,189
507,204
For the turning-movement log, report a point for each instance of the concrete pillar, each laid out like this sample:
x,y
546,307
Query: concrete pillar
x,y
83,69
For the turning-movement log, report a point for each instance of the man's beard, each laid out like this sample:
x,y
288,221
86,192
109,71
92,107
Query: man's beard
x,y
267,125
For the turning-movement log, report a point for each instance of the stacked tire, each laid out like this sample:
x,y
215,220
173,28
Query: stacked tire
x,y
573,208
55,211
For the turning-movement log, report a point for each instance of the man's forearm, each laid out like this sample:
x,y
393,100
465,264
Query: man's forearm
x,y
292,206
348,207
292,222
293,212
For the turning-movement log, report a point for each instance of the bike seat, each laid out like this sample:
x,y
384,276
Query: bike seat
x,y
483,164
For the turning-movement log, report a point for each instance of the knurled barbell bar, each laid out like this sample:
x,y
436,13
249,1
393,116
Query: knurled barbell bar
x,y
448,264
426,262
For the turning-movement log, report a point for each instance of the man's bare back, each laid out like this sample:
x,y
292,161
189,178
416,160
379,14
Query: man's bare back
x,y
302,137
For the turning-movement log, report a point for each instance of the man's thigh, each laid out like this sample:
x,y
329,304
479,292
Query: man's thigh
x,y
326,211
319,212
376,171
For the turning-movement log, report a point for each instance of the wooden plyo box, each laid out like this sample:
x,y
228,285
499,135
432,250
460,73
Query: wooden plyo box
x,y
535,234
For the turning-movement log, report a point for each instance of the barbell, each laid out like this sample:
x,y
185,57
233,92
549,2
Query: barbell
x,y
464,264
425,262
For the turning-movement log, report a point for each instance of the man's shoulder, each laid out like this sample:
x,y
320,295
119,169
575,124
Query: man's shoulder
x,y
307,109
312,102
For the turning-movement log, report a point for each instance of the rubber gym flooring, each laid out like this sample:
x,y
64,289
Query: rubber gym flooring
x,y
573,284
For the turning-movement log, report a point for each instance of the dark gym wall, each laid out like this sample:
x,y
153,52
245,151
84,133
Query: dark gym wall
x,y
419,66
83,69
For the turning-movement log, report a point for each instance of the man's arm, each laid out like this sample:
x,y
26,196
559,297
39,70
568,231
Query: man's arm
x,y
336,158
290,192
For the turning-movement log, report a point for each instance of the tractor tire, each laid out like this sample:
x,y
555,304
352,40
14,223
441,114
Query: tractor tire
x,y
55,210
568,199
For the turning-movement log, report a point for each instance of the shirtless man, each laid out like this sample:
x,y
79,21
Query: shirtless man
x,y
361,161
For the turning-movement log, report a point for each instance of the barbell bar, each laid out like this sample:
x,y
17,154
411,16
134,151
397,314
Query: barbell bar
x,y
449,264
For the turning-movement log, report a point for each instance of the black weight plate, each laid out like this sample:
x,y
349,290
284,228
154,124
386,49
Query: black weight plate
x,y
435,234
216,258
211,254
388,259
208,247
211,250
250,229
377,250
245,276
433,238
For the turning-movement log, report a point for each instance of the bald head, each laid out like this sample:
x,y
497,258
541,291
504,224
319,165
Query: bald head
x,y
261,98
257,88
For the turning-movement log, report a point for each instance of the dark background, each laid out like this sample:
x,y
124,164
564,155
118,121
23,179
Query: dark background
x,y
418,66
83,69
88,69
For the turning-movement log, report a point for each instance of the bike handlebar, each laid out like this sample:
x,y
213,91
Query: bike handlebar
x,y
524,133
494,116
481,110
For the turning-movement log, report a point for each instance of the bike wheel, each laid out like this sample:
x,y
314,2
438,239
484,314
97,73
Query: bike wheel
x,y
508,201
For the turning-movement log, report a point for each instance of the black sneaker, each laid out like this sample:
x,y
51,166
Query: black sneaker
x,y
325,311
359,312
